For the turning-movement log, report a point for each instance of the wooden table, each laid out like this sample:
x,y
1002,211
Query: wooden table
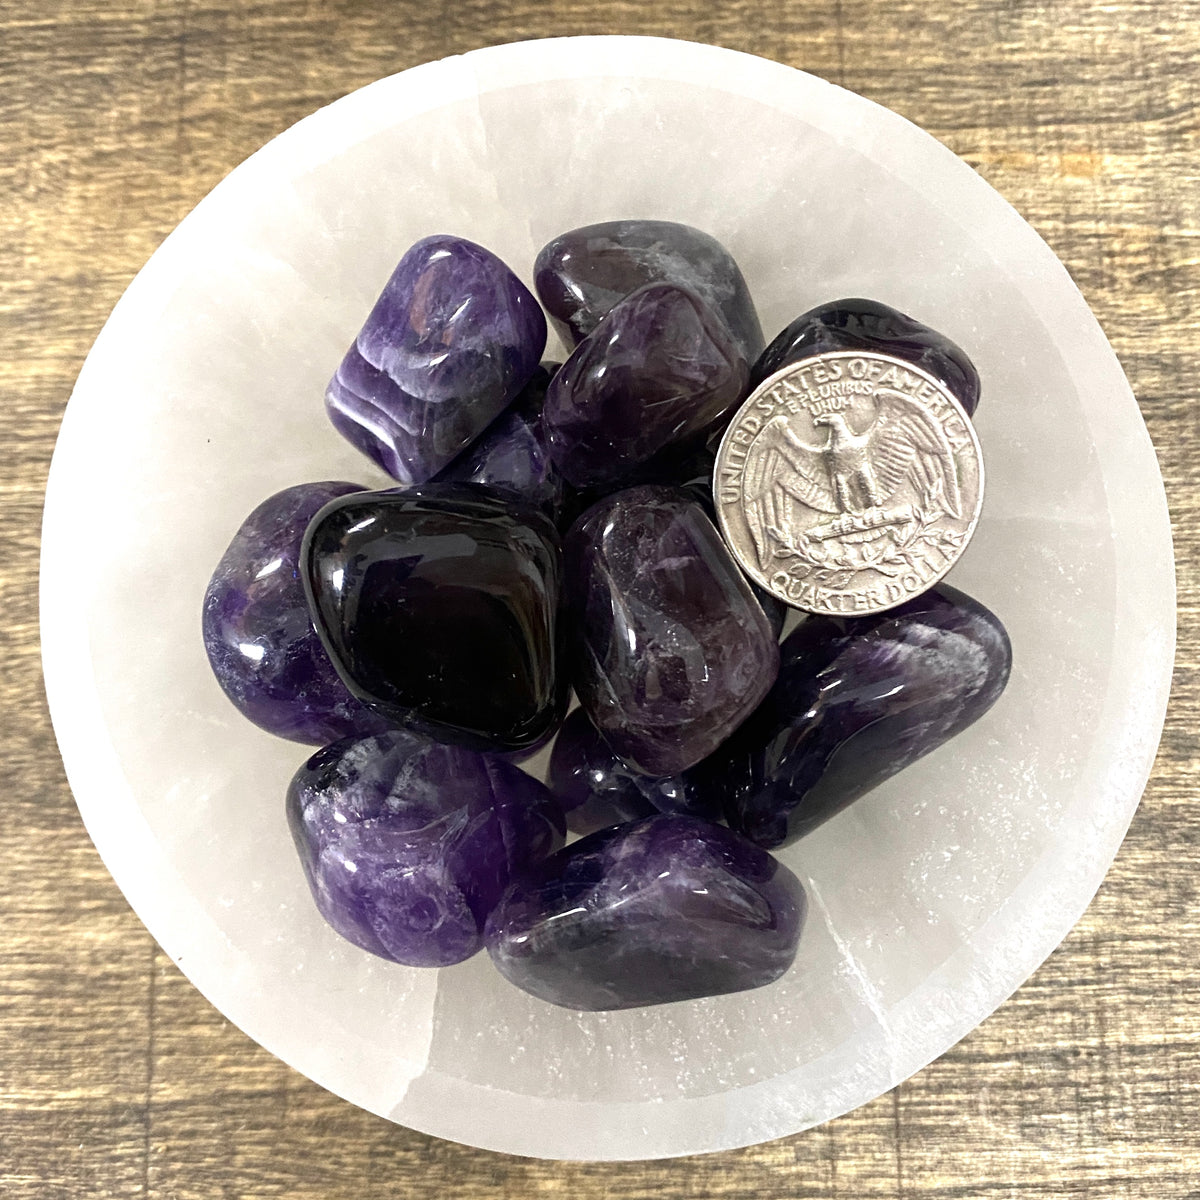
x,y
116,1077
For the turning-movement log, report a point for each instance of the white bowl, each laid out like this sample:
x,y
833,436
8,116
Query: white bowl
x,y
931,899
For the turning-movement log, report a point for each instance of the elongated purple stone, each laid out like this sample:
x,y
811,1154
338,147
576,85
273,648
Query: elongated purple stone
x,y
671,650
581,274
658,369
668,908
597,789
857,324
452,339
857,700
407,845
259,636
439,608
512,453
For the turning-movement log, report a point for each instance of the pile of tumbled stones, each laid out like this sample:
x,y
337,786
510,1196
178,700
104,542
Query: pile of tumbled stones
x,y
552,535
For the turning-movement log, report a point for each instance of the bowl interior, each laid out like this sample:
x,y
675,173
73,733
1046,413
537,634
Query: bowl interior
x,y
931,899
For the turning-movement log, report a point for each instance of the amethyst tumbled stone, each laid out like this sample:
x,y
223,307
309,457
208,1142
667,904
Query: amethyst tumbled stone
x,y
659,368
407,845
439,608
581,274
857,700
452,339
858,324
512,453
259,636
668,908
597,789
670,649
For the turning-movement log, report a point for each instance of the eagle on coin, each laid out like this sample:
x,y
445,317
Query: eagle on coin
x,y
853,473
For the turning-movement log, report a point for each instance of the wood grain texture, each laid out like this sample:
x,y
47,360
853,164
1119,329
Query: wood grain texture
x,y
116,1078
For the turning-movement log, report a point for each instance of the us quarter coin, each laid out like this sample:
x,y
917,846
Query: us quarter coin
x,y
848,482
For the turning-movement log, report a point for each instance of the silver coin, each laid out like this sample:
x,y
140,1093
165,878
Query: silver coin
x,y
848,483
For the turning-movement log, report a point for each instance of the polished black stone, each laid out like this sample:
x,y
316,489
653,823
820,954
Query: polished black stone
x,y
858,324
438,606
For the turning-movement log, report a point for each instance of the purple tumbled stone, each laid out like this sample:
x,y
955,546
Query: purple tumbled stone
x,y
512,453
858,324
259,636
671,651
597,789
857,700
658,369
668,908
407,845
581,274
451,341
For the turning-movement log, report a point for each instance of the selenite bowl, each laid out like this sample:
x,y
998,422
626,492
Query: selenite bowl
x,y
931,899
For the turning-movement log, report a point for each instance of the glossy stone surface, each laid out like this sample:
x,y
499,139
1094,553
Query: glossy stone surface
x,y
668,908
857,324
438,606
512,452
658,369
259,636
670,649
581,274
857,700
597,789
451,341
407,845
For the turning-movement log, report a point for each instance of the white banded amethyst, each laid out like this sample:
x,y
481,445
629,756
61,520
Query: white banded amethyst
x,y
659,368
665,909
857,699
582,273
452,339
858,324
407,845
258,633
670,649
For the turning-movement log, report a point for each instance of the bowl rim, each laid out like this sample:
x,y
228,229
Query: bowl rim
x,y
651,1128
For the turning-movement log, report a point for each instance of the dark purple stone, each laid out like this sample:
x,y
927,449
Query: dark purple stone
x,y
438,606
512,453
671,651
658,369
597,789
452,339
582,274
857,700
858,324
407,845
668,908
259,636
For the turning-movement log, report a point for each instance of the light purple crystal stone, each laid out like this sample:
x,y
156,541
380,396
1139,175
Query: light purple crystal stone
x,y
407,844
668,908
452,339
671,650
259,636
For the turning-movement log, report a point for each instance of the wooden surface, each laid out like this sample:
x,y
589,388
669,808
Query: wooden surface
x,y
116,1077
